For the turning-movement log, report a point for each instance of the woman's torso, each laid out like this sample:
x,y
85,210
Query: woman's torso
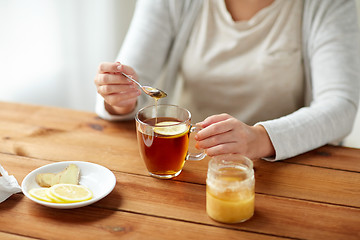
x,y
249,69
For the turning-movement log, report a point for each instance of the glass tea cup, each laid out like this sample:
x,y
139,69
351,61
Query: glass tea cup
x,y
163,134
230,189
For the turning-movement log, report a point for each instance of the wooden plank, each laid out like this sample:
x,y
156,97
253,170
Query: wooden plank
x,y
50,120
186,202
279,179
45,117
9,236
331,157
89,222
60,134
307,182
273,215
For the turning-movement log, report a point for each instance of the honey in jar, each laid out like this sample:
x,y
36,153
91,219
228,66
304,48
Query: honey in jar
x,y
230,193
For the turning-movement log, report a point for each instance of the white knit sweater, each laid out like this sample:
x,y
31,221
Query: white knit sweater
x,y
159,32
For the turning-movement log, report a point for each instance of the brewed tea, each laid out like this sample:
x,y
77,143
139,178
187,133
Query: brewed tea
x,y
164,148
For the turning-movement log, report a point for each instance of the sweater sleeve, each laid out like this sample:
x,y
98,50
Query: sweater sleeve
x,y
333,60
145,49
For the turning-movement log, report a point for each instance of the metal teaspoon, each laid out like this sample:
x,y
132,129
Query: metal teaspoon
x,y
151,91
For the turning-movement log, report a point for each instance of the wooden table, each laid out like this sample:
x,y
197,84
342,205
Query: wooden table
x,y
312,196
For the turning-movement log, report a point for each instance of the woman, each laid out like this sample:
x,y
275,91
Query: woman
x,y
285,72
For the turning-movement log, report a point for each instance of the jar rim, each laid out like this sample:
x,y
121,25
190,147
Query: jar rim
x,y
222,161
221,176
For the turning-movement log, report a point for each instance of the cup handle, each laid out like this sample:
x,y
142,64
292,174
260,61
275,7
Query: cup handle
x,y
194,156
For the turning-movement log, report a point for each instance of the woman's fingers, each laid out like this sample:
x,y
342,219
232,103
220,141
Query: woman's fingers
x,y
108,67
223,149
110,74
219,135
223,134
125,69
117,88
119,93
115,67
121,100
219,124
223,138
110,79
214,119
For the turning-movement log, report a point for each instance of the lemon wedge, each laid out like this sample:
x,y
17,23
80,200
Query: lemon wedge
x,y
70,193
171,128
40,194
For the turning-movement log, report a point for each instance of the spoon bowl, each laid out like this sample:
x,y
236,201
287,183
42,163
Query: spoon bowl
x,y
151,91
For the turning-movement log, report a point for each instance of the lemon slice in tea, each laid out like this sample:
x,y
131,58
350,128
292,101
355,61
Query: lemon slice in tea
x,y
70,193
171,128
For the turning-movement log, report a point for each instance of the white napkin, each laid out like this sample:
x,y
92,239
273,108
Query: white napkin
x,y
8,185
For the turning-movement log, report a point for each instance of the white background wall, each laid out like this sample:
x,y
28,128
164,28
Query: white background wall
x,y
50,50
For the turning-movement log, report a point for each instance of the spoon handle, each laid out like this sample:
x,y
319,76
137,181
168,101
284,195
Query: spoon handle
x,y
131,79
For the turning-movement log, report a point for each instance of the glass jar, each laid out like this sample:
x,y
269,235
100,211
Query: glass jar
x,y
230,189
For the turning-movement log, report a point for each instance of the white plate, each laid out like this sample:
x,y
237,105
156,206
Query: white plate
x,y
100,180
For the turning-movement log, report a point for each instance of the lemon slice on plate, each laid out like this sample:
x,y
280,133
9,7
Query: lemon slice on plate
x,y
40,194
53,198
171,128
70,193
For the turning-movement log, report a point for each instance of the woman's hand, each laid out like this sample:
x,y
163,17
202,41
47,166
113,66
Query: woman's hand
x,y
119,93
224,134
